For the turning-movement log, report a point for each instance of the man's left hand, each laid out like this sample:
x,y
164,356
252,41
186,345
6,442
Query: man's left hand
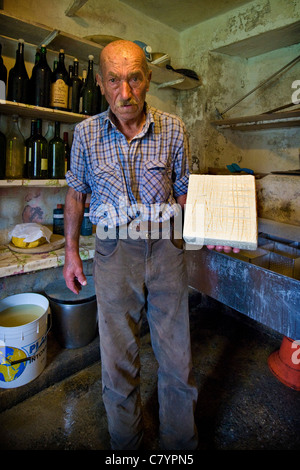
x,y
226,249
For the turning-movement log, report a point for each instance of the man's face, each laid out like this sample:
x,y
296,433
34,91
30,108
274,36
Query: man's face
x,y
124,82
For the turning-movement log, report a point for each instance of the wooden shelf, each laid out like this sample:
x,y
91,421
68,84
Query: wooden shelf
x,y
169,78
281,120
30,111
262,43
37,34
47,183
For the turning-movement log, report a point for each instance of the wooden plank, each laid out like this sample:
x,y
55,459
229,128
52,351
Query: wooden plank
x,y
16,28
30,111
260,121
221,210
264,42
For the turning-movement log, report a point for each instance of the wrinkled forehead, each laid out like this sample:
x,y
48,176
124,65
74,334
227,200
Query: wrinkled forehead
x,y
120,55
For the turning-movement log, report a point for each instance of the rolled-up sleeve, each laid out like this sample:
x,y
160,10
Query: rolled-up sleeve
x,y
76,176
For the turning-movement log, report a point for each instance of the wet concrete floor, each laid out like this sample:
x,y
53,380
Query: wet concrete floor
x,y
241,405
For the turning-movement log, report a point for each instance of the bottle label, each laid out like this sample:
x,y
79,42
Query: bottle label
x,y
44,164
59,94
2,90
58,216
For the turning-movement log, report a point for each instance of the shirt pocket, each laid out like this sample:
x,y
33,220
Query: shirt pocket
x,y
109,184
156,182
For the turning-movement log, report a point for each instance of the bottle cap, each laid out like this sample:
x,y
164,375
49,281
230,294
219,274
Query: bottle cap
x,y
21,40
61,51
59,206
91,57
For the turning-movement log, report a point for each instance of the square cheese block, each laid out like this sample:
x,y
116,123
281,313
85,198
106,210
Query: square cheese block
x,y
221,210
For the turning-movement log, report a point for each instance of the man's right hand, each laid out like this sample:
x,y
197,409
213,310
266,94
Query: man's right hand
x,y
73,273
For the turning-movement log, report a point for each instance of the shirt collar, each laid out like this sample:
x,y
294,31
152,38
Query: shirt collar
x,y
109,120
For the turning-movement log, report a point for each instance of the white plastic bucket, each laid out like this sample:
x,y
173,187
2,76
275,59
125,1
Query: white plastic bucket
x,y
23,349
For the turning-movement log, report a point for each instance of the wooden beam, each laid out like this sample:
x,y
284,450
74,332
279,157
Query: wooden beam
x,y
74,7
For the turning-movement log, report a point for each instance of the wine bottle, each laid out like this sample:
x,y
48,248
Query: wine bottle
x,y
15,150
18,80
84,75
28,149
37,167
86,225
67,152
56,155
55,62
89,92
3,77
2,155
37,56
50,132
75,88
60,85
41,81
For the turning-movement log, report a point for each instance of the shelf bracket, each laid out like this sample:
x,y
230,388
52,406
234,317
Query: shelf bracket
x,y
50,37
74,7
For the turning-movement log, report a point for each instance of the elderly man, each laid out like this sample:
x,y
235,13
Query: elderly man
x,y
133,159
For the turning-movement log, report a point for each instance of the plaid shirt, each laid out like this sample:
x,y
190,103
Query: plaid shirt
x,y
129,180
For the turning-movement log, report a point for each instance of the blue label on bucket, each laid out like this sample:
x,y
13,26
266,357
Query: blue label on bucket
x,y
9,372
13,361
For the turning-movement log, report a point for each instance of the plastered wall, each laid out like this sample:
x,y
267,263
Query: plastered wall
x,y
228,78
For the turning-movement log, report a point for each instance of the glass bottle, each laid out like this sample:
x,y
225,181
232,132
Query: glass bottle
x,y
28,148
58,220
75,88
2,155
15,151
50,132
86,226
60,85
37,168
67,152
18,80
84,75
41,81
3,77
89,91
56,155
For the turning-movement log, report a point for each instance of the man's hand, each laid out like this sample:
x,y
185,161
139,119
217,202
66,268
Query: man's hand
x,y
226,249
73,272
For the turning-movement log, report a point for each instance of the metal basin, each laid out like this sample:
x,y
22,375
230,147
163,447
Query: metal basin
x,y
262,284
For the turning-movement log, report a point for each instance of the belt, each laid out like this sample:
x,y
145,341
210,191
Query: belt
x,y
138,229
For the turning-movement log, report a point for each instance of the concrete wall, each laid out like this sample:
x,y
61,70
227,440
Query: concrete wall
x,y
228,78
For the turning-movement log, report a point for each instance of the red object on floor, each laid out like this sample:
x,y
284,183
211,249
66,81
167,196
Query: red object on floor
x,y
285,363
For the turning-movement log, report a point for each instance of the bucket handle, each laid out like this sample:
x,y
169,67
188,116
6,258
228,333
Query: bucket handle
x,y
12,363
